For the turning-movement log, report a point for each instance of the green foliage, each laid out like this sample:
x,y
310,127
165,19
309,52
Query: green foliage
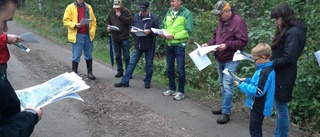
x,y
304,108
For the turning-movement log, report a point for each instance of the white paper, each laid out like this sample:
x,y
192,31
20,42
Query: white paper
x,y
200,61
317,54
240,55
29,38
137,31
113,28
159,31
232,75
85,21
63,86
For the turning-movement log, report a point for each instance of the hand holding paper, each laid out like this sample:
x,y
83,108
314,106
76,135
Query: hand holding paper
x,y
113,28
207,49
231,74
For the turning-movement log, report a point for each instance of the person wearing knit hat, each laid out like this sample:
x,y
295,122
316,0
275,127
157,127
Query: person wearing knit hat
x,y
231,35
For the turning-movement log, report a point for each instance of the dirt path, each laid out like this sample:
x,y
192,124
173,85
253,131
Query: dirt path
x,y
110,112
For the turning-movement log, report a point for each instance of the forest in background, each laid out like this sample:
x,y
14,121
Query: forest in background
x,y
46,17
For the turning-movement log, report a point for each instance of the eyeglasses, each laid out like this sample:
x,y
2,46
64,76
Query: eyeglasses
x,y
255,60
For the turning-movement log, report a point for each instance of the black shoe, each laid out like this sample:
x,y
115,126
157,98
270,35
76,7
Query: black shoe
x,y
223,119
217,112
121,85
147,85
130,77
119,74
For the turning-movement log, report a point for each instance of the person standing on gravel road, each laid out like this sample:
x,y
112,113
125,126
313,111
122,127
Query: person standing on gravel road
x,y
13,121
80,35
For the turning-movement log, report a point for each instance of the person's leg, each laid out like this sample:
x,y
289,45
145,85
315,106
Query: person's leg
x,y
255,126
170,58
282,117
117,52
126,51
132,64
77,51
149,67
227,83
88,47
180,56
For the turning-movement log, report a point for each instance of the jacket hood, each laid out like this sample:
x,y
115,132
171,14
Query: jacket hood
x,y
301,25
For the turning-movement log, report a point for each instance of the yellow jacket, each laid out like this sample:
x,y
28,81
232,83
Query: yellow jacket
x,y
70,19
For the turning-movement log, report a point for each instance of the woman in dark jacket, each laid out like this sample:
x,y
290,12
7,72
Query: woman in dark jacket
x,y
287,46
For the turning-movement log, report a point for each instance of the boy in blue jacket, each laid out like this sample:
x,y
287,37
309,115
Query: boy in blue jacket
x,y
260,89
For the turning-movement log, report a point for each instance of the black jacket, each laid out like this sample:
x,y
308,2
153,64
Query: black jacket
x,y
285,57
145,43
14,123
123,22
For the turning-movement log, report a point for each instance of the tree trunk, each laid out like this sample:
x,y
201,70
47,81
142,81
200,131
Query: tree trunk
x,y
40,2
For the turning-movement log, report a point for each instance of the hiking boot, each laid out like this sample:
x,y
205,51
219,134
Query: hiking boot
x,y
147,85
178,96
119,74
169,93
217,111
223,119
121,85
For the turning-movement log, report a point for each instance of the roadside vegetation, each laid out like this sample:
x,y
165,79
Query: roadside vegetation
x,y
45,18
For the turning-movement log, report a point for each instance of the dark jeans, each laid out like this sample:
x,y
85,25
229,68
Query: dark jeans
x,y
256,120
122,47
178,53
133,62
3,68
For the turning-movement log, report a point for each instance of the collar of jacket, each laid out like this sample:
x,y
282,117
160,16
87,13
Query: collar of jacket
x,y
145,17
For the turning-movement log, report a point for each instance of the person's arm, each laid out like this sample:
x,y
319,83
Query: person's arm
x,y
241,37
126,17
187,30
20,125
67,19
290,54
256,88
93,23
3,39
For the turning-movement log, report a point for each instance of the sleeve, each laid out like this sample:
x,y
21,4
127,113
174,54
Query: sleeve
x,y
126,17
241,37
93,24
291,52
254,88
20,125
67,21
3,39
188,28
108,22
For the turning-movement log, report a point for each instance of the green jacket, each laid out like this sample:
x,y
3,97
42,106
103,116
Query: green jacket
x,y
181,26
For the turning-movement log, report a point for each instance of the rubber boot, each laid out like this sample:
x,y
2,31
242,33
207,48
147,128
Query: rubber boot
x,y
75,67
89,68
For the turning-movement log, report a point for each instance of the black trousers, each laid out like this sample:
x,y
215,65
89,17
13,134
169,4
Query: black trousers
x,y
256,120
3,68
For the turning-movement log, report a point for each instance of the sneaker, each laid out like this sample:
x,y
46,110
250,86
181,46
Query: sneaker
x,y
169,93
121,85
223,119
178,96
217,111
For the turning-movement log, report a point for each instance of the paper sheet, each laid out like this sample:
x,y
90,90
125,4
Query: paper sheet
x,y
317,54
200,61
240,55
29,38
159,31
231,74
85,21
114,28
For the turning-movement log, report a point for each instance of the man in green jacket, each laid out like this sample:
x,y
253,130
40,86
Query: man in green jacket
x,y
80,34
178,24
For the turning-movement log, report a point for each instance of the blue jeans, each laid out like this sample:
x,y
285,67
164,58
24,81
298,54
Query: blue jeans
x,y
133,62
226,85
124,47
84,43
282,116
172,53
255,126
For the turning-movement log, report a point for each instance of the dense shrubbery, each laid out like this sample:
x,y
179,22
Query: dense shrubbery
x,y
304,108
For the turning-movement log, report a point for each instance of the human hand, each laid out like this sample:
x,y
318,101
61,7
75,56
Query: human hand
x,y
222,47
108,28
78,25
204,45
147,31
39,112
12,38
118,13
170,37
